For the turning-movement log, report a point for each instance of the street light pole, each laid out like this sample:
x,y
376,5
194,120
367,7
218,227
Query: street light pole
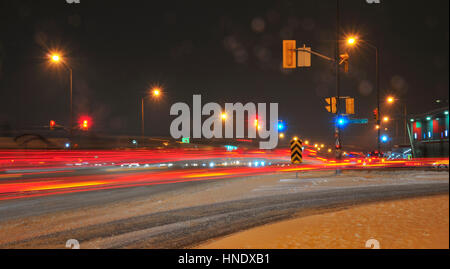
x,y
56,58
352,41
71,103
338,82
377,55
142,117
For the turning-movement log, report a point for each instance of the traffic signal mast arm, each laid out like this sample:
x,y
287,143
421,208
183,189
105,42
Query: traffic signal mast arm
x,y
316,53
344,57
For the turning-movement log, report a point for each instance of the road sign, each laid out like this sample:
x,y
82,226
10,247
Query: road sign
x,y
296,151
359,121
185,140
289,51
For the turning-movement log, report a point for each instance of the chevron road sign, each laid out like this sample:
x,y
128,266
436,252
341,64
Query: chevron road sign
x,y
296,151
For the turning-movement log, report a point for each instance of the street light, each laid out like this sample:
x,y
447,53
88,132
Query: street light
x,y
390,100
58,59
156,93
223,116
386,119
55,58
352,41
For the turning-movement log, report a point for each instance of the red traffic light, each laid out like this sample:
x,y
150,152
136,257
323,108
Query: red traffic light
x,y
85,123
52,124
375,114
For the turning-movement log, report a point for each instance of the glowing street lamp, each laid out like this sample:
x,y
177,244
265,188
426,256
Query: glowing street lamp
x,y
386,119
223,116
55,58
156,92
390,99
351,41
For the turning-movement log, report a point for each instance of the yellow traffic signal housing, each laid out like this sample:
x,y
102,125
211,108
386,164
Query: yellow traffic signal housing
x,y
289,54
331,105
304,57
350,106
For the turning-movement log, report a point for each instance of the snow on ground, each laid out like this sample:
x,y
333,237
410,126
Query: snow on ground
x,y
418,223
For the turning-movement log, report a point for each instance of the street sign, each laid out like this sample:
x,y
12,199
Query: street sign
x,y
359,121
296,151
185,140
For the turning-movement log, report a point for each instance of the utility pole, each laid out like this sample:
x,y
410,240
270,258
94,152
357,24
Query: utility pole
x,y
377,56
338,88
142,117
71,106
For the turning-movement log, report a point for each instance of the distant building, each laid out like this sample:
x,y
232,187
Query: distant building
x,y
428,134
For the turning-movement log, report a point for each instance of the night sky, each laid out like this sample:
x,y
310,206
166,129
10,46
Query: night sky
x,y
228,51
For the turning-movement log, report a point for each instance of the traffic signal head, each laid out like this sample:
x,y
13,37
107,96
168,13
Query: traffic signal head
x,y
85,123
52,124
341,121
376,114
281,126
332,105
289,54
350,106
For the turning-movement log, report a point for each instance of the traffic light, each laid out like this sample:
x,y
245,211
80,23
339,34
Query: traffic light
x,y
331,105
289,53
376,115
85,123
342,121
52,124
304,57
349,106
281,126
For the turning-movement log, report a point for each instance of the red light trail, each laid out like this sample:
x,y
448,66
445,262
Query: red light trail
x,y
31,173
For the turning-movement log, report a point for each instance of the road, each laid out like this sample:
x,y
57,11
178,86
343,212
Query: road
x,y
162,206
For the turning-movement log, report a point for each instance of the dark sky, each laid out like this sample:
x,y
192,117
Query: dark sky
x,y
228,51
